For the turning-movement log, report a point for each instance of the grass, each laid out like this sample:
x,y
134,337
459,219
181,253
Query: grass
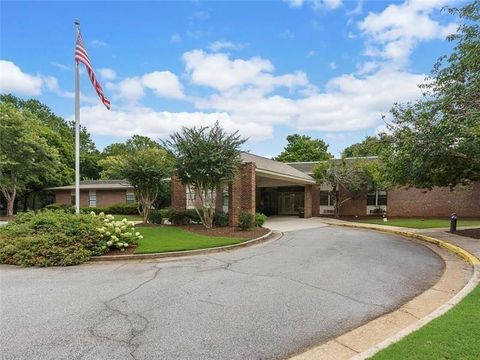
x,y
455,335
120,217
169,238
420,223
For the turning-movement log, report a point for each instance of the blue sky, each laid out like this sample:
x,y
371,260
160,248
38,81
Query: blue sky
x,y
328,69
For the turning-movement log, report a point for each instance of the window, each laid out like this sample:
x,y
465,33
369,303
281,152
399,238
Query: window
x,y
327,198
377,198
92,198
130,197
190,198
226,200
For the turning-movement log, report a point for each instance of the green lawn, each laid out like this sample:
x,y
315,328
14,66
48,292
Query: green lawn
x,y
128,217
419,223
455,335
170,238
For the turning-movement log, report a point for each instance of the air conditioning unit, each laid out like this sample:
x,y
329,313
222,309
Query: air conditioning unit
x,y
376,210
327,210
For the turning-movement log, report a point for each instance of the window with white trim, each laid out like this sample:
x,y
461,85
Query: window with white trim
x,y
376,198
92,198
190,198
130,197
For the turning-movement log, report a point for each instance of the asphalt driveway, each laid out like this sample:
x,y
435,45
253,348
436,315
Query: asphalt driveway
x,y
262,302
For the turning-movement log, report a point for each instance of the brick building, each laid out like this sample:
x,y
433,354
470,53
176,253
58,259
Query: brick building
x,y
96,193
275,188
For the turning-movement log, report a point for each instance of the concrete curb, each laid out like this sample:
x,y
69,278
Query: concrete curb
x,y
471,284
177,254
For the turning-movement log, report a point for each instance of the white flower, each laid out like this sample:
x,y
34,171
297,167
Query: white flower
x,y
140,237
137,234
111,217
101,214
125,245
109,243
124,220
127,234
123,227
106,220
92,213
122,249
114,238
107,233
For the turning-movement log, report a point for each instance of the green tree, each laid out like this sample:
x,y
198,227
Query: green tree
x,y
353,176
370,146
304,148
27,158
145,169
136,142
206,158
436,141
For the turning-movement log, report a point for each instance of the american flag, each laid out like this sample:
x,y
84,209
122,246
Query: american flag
x,y
81,56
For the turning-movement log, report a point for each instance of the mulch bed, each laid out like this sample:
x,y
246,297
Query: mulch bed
x,y
472,233
228,231
128,251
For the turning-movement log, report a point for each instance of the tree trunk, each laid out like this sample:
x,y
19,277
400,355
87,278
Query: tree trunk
x,y
337,203
10,197
10,206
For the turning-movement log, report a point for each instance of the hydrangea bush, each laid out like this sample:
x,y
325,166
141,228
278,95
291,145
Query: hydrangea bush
x,y
117,234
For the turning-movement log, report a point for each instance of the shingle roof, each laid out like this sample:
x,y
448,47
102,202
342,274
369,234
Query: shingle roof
x,y
274,166
307,166
97,184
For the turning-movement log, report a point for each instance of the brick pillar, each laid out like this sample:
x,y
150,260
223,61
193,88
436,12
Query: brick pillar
x,y
316,200
307,203
179,194
219,200
242,193
234,199
248,188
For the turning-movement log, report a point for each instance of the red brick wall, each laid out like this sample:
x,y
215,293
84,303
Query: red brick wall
x,y
464,200
179,195
242,193
354,206
104,197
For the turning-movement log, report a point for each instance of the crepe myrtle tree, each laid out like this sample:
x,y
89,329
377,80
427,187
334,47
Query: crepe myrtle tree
x,y
145,169
206,158
352,176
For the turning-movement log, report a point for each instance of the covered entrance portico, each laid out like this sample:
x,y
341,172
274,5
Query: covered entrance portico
x,y
280,194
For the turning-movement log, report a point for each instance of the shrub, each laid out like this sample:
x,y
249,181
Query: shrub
x,y
193,216
246,221
60,238
117,234
220,219
57,206
260,219
96,210
51,238
122,209
179,217
156,216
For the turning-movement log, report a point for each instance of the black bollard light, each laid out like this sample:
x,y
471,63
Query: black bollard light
x,y
453,223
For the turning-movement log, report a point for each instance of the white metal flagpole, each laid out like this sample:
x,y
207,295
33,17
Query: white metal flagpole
x,y
77,127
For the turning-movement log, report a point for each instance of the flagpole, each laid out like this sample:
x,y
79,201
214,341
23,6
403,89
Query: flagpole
x,y
77,127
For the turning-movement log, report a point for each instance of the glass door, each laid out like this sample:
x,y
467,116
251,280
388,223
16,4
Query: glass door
x,y
290,202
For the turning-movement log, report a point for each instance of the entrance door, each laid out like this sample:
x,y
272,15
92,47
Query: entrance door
x,y
290,202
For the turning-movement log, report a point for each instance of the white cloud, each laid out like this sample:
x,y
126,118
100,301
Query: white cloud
x,y
393,33
98,43
287,34
164,84
14,80
220,72
159,124
60,66
332,65
228,45
107,74
315,4
175,38
130,89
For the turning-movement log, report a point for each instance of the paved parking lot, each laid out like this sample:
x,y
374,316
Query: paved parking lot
x,y
266,301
